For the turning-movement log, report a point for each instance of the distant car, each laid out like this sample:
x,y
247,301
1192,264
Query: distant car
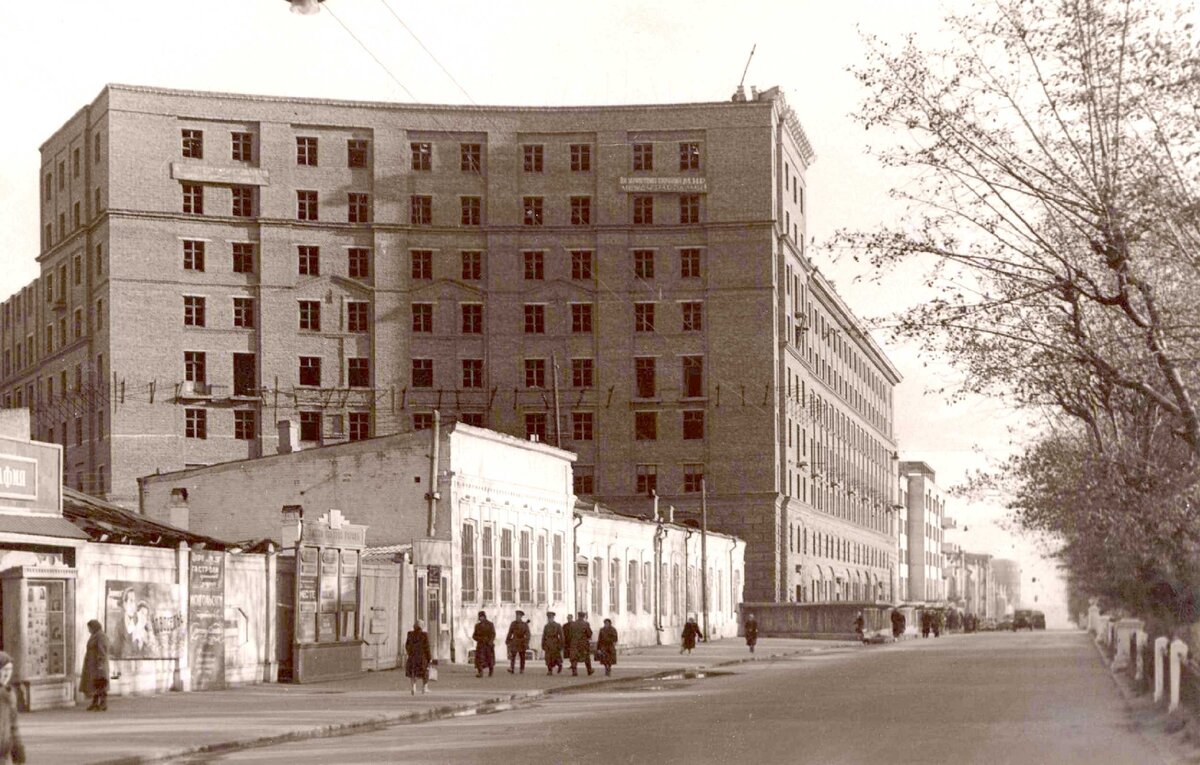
x,y
1005,624
1039,620
988,625
1022,620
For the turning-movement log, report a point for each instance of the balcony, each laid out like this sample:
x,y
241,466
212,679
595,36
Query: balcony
x,y
193,390
949,523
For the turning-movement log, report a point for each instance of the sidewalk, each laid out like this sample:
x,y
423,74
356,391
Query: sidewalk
x,y
148,728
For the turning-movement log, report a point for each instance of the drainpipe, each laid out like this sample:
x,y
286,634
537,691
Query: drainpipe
x,y
687,534
432,495
574,558
659,534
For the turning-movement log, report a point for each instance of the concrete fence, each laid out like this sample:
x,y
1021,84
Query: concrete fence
x,y
1155,663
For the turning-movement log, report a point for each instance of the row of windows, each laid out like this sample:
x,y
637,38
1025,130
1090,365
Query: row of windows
x,y
245,425
421,263
582,374
470,155
835,548
357,317
506,567
23,354
358,207
195,365
581,317
21,305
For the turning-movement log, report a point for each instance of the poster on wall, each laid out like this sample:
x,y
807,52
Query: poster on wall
x,y
142,619
206,619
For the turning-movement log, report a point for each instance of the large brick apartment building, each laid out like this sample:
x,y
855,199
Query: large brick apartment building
x,y
213,265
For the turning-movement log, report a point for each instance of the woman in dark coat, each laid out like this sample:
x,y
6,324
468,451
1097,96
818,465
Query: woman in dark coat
x,y
606,646
485,645
416,665
11,748
691,631
94,680
751,632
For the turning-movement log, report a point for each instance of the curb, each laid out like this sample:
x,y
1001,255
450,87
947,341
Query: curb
x,y
388,721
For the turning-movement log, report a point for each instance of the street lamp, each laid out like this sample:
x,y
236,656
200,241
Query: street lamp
x,y
305,7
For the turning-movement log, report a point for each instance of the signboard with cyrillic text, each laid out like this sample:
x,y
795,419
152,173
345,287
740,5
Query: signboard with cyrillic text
x,y
30,476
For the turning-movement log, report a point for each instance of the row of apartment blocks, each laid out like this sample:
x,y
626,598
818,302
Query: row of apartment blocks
x,y
711,350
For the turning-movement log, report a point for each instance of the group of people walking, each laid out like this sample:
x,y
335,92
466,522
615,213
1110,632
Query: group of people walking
x,y
571,641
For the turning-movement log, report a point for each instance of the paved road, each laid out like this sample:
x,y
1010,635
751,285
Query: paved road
x,y
988,698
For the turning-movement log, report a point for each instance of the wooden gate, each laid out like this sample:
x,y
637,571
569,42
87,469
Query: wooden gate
x,y
381,628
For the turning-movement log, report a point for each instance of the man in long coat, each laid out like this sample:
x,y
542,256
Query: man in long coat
x,y
751,632
517,642
485,645
579,643
552,644
417,657
94,680
606,646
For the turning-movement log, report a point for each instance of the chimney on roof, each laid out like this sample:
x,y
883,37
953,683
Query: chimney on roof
x,y
739,95
289,436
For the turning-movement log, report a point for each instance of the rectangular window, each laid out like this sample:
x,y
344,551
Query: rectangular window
x,y
583,426
541,567
693,476
472,318
49,186
193,255
472,373
644,376
421,264
524,573
474,419
310,370
533,157
470,157
243,257
241,147
693,376
193,198
581,317
581,158
581,265
643,210
310,426
193,311
689,208
244,425
643,264
647,478
535,319
422,373
360,426
645,426
581,211
309,260
507,593
689,155
488,558
472,211
535,264
556,569
468,562
356,152
643,317
243,201
535,373
584,480
193,143
422,156
472,265
535,426
422,317
243,312
195,423
614,585
306,206
643,156
245,374
358,262
532,211
693,425
422,420
358,372
357,316
689,262
306,151
582,373
76,217
310,315
421,210
358,207
195,367
693,316
78,326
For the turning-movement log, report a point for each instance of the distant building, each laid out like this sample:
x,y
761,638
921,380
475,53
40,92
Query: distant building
x,y
923,521
971,584
1007,574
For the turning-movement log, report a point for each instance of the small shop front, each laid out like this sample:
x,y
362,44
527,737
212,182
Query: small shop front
x,y
38,550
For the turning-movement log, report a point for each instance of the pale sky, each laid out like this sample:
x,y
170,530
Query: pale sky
x,y
537,52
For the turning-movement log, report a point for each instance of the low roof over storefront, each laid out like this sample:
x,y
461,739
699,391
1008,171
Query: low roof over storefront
x,y
102,521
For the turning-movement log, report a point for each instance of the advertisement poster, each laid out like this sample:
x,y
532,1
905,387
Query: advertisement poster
x,y
142,619
206,619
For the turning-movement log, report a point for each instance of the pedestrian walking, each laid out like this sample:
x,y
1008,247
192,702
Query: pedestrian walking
x,y
552,644
860,624
417,658
606,646
751,629
937,621
11,748
517,642
897,624
691,631
485,645
925,623
579,643
94,680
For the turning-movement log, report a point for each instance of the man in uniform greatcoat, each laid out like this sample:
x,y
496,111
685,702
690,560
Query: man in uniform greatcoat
x,y
485,645
579,643
552,644
517,642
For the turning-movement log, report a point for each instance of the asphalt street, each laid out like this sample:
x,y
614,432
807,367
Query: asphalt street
x,y
987,698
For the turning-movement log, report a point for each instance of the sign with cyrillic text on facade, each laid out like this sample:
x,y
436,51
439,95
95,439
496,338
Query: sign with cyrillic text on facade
x,y
659,185
18,477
